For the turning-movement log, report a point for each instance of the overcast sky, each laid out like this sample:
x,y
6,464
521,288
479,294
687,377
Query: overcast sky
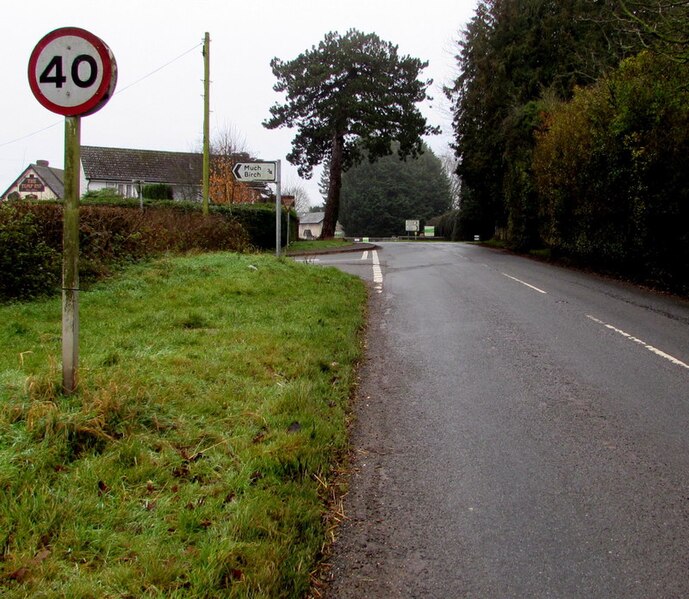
x,y
162,108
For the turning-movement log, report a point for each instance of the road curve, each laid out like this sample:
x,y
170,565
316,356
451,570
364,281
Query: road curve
x,y
522,430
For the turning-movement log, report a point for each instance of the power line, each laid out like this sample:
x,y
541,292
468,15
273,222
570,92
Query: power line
x,y
167,64
7,143
119,91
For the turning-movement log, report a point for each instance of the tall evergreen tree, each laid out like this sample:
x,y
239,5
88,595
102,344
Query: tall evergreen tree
x,y
378,197
512,53
348,95
478,98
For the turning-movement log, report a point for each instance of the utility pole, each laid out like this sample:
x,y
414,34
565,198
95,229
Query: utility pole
x,y
206,116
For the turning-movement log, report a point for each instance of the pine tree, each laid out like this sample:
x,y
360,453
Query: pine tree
x,y
350,94
377,198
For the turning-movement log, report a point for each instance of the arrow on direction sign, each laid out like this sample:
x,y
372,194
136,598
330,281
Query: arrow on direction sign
x,y
254,171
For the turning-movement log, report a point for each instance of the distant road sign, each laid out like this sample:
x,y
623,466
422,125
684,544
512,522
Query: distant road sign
x,y
72,72
411,225
255,171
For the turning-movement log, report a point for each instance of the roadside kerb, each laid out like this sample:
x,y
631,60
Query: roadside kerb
x,y
355,247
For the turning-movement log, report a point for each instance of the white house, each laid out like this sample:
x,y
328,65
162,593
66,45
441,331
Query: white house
x,y
125,170
311,225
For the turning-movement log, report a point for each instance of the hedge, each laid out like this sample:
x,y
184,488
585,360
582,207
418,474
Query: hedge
x,y
109,236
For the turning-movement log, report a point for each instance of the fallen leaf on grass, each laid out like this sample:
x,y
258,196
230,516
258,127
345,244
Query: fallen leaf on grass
x,y
41,556
21,574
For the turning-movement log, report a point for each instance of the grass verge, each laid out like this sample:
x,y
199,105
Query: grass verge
x,y
194,460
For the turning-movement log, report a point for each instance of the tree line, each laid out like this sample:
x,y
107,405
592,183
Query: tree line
x,y
570,123
569,117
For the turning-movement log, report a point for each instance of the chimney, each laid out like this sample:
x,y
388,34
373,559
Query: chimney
x,y
42,163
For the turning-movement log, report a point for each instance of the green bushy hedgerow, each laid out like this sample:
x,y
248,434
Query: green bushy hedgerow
x,y
109,236
446,224
103,196
259,222
158,191
29,266
257,219
611,172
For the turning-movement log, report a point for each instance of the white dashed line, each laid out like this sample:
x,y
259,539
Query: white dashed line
x,y
364,256
650,348
377,273
307,260
523,283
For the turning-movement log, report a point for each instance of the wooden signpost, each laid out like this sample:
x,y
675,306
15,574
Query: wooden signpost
x,y
73,73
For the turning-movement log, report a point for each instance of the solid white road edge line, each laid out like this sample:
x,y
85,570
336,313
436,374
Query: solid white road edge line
x,y
650,348
523,283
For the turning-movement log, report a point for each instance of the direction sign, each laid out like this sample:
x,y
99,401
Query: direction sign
x,y
255,171
72,72
411,225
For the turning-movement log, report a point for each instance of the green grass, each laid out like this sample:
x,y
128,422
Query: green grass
x,y
497,244
317,244
541,254
195,459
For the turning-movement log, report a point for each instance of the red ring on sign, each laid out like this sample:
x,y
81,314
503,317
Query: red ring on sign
x,y
104,90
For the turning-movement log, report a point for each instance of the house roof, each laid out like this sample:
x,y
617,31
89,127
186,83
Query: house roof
x,y
52,178
311,218
150,166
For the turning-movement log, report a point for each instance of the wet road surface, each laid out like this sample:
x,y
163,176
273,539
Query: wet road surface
x,y
522,431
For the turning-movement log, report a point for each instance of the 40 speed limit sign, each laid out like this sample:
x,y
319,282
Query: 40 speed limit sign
x,y
72,72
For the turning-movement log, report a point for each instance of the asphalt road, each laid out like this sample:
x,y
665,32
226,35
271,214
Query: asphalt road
x,y
522,430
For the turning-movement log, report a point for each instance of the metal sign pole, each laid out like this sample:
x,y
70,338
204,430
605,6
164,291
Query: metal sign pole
x,y
70,256
278,210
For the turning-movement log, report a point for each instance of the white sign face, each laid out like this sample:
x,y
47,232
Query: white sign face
x,y
411,225
255,171
72,72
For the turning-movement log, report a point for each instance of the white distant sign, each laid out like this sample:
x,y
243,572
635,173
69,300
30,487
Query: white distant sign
x,y
411,225
255,171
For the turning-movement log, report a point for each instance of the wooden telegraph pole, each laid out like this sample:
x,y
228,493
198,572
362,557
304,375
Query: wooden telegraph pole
x,y
206,117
